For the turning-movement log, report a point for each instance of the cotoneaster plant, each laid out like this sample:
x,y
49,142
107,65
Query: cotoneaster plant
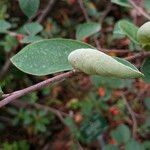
x,y
51,56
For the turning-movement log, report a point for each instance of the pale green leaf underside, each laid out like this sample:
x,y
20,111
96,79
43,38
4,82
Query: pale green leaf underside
x,y
110,147
121,134
46,56
87,29
94,62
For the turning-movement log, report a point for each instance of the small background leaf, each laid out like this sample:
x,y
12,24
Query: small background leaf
x,y
147,103
132,144
32,28
129,29
87,29
117,32
8,43
110,147
4,26
46,56
92,127
147,5
112,83
146,145
29,7
121,134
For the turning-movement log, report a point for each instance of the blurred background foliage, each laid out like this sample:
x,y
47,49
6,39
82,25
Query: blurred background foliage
x,y
81,112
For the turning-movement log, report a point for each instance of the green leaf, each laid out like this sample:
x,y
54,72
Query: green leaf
x,y
123,3
32,28
29,7
109,82
121,134
146,145
92,127
46,56
146,70
129,29
69,122
133,145
87,29
87,107
117,32
146,124
147,103
4,26
8,43
31,39
110,147
147,5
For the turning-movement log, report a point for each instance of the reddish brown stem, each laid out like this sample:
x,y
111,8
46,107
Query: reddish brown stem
x,y
139,9
138,55
18,94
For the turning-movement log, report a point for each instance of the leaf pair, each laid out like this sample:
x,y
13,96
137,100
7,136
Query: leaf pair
x,y
50,56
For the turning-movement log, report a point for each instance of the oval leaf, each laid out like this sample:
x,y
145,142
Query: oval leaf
x,y
117,32
87,29
29,7
129,29
4,26
121,134
94,62
46,56
132,144
32,28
